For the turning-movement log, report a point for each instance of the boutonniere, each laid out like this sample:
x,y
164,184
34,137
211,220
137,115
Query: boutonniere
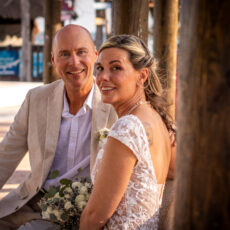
x,y
102,135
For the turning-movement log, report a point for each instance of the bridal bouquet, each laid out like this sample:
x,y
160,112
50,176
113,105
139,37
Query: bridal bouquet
x,y
64,204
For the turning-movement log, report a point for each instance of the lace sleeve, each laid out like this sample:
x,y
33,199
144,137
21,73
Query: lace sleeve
x,y
130,131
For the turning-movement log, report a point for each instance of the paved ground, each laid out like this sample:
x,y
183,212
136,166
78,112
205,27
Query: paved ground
x,y
12,95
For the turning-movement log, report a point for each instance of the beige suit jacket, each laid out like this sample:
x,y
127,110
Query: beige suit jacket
x,y
36,129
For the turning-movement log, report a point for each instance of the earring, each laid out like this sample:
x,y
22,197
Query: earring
x,y
140,85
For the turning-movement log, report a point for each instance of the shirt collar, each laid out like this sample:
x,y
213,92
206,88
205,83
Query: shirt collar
x,y
89,99
87,103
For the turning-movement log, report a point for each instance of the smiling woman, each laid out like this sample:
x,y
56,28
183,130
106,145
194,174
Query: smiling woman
x,y
114,71
132,166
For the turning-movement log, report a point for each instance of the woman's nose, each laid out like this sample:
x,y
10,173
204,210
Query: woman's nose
x,y
102,76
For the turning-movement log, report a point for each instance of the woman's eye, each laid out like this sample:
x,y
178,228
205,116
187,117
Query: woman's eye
x,y
99,68
116,68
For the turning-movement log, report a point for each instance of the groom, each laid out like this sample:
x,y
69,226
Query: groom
x,y
57,124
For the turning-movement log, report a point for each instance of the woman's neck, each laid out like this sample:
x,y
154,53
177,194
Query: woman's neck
x,y
129,106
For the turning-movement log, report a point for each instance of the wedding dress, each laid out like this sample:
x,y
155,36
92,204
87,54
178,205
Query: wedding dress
x,y
139,207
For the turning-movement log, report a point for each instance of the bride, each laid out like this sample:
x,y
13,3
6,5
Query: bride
x,y
131,168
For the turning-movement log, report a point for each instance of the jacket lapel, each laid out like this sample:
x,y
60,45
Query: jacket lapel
x,y
54,112
100,114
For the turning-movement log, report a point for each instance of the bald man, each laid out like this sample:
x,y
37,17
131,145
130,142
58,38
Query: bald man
x,y
57,124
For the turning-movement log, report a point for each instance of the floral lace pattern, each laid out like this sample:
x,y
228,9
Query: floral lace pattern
x,y
140,204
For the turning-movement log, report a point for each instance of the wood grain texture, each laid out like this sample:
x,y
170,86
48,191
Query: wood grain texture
x,y
165,45
203,156
52,25
130,17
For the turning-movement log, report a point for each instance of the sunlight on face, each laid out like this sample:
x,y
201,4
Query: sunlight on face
x,y
116,77
74,55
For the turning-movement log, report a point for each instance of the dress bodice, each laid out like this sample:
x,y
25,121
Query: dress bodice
x,y
140,204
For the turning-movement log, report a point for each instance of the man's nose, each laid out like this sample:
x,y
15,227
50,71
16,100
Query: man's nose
x,y
74,59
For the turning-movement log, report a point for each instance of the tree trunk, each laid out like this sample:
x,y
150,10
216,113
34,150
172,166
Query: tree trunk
x,y
165,45
52,25
130,17
203,164
26,59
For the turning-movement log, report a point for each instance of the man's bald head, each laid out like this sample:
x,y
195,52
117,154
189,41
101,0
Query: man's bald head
x,y
69,28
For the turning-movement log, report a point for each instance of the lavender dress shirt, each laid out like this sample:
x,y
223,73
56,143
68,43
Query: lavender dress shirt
x,y
73,148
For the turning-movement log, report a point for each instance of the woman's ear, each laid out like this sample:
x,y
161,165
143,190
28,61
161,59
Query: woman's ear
x,y
144,73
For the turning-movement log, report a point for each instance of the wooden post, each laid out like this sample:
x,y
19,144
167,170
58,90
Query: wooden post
x,y
52,25
100,23
203,159
130,18
25,74
165,45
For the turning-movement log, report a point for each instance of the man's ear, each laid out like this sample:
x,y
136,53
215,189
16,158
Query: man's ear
x,y
96,52
52,59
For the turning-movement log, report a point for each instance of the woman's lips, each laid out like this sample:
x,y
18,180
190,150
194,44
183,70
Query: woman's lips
x,y
106,89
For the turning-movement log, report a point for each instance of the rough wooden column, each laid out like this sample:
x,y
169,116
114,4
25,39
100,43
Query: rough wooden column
x,y
130,17
52,25
203,159
25,74
165,45
100,23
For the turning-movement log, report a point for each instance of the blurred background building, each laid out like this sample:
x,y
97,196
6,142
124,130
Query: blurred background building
x,y
81,12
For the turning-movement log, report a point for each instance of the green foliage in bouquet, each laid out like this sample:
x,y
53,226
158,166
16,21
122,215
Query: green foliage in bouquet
x,y
63,204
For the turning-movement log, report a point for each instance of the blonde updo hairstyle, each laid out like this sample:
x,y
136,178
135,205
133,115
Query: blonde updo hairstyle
x,y
140,57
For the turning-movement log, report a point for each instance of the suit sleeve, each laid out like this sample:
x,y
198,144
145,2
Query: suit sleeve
x,y
14,145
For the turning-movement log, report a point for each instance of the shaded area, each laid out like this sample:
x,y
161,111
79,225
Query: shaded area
x,y
10,9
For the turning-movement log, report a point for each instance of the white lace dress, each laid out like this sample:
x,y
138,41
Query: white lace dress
x,y
140,204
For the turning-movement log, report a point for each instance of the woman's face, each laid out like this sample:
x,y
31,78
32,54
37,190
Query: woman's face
x,y
116,77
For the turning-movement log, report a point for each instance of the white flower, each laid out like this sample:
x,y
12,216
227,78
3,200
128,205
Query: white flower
x,y
67,196
46,214
79,198
58,214
76,184
81,205
68,205
88,185
57,195
68,190
102,134
83,190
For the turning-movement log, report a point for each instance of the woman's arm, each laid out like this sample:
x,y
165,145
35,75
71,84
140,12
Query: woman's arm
x,y
110,185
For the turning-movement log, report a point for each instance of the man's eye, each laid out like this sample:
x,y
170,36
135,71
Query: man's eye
x,y
82,52
65,54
